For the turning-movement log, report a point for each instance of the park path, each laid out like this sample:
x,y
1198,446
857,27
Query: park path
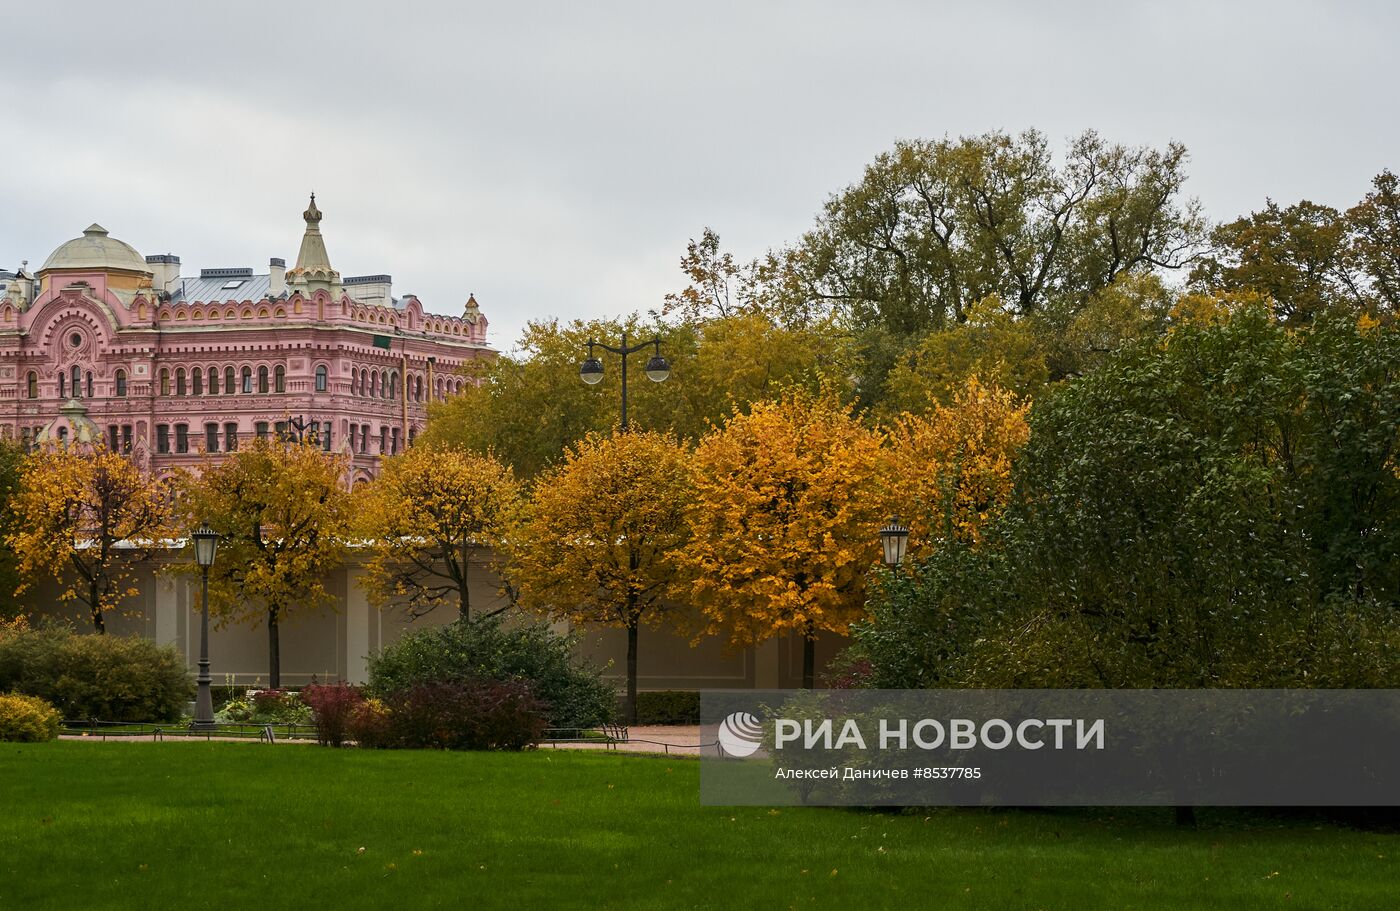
x,y
670,740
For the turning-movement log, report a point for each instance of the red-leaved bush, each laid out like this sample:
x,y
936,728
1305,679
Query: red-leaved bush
x,y
333,709
480,715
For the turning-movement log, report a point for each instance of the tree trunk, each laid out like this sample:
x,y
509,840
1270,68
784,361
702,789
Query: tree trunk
x,y
632,671
809,657
274,652
98,623
464,603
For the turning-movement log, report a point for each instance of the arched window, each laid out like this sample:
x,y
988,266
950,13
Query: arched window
x,y
33,383
89,384
121,384
374,383
179,380
418,389
364,381
262,380
383,384
279,379
230,387
213,380
164,381
322,378
394,385
60,384
77,381
247,380
197,381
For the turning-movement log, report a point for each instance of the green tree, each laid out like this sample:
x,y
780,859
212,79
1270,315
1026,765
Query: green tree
x,y
933,227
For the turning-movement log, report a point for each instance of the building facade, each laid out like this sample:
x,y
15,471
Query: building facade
x,y
166,367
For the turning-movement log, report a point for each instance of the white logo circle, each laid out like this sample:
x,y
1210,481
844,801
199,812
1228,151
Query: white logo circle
x,y
740,734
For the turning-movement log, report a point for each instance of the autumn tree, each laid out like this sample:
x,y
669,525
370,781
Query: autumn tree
x,y
953,463
283,514
11,466
428,515
788,498
92,512
604,536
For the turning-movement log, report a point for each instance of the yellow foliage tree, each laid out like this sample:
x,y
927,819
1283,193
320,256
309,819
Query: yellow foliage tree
x,y
603,536
283,515
93,512
427,515
788,501
952,465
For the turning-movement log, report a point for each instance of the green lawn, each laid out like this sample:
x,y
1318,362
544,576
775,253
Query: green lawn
x,y
231,825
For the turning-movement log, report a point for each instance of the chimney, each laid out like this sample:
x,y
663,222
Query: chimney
x,y
277,268
165,271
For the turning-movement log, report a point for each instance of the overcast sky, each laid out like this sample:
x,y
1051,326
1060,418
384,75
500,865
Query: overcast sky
x,y
555,158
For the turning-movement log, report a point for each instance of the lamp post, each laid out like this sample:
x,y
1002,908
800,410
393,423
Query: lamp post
x,y
894,538
206,545
657,369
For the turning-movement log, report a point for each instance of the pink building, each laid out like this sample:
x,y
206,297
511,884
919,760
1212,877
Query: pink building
x,y
101,340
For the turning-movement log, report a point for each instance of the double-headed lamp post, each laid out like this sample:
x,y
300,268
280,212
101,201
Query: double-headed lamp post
x,y
206,545
894,538
591,370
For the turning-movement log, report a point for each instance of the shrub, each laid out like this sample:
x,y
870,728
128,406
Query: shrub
x,y
266,707
481,715
668,707
332,709
28,719
369,724
475,650
109,678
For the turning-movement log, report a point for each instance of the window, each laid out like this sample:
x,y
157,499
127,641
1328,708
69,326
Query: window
x,y
180,381
77,381
182,437
121,384
24,439
364,382
162,438
197,381
383,439
247,380
352,437
374,384
89,384
211,437
230,387
63,436
326,436
279,379
60,385
394,385
321,378
164,381
126,438
364,438
230,437
418,389
279,431
262,380
394,444
412,435
260,430
33,383
113,437
213,380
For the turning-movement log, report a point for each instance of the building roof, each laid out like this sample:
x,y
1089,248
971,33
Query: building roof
x,y
219,285
72,426
96,249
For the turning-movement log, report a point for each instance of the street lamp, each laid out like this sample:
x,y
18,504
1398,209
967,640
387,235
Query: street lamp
x,y
657,369
894,537
206,545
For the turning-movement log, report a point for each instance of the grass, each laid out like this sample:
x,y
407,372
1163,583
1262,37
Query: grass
x,y
228,825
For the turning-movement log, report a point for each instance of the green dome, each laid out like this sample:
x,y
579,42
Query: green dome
x,y
96,251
